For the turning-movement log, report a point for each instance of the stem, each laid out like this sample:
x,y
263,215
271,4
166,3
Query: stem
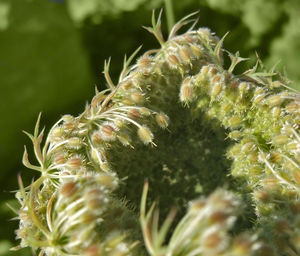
x,y
170,14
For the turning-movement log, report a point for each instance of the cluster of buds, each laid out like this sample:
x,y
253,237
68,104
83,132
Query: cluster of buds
x,y
204,230
66,210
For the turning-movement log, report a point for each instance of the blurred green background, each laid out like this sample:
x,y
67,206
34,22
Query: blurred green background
x,y
52,54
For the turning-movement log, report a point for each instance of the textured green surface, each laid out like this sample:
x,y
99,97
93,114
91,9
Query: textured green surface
x,y
52,54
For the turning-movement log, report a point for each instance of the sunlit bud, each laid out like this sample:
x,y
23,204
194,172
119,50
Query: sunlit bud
x,y
107,180
145,134
292,107
196,50
74,163
253,157
94,193
174,61
184,55
189,38
124,139
69,126
276,84
274,100
95,155
204,34
145,111
205,70
235,121
270,183
258,98
216,79
259,90
144,62
24,216
68,118
94,203
60,159
137,97
68,189
96,137
226,107
162,120
276,157
74,142
107,131
57,134
127,84
255,170
288,129
280,139
276,111
127,102
294,145
186,93
216,89
94,199
248,147
235,135
134,113
262,195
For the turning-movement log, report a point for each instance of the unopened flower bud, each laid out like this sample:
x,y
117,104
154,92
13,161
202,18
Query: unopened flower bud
x,y
107,131
274,100
145,135
68,189
74,163
162,120
137,97
173,60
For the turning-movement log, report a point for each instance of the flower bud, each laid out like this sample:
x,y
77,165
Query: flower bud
x,y
74,163
216,89
68,189
145,135
137,97
162,120
196,50
186,93
173,60
280,139
107,131
274,100
184,55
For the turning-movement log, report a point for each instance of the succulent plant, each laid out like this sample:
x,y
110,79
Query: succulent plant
x,y
170,119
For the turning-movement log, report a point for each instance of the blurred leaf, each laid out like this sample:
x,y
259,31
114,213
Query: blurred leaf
x,y
42,68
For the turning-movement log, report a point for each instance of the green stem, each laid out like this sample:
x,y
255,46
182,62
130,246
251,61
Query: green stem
x,y
170,14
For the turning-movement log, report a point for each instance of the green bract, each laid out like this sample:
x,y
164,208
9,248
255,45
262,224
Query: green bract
x,y
171,118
